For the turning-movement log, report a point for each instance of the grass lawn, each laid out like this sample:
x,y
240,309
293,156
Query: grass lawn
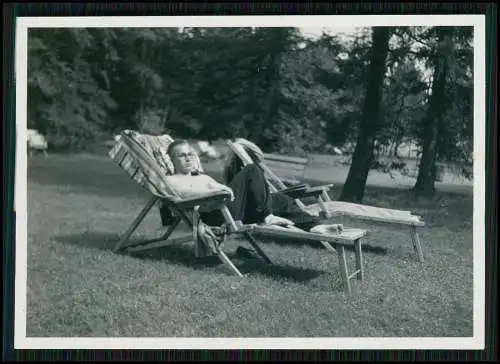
x,y
78,206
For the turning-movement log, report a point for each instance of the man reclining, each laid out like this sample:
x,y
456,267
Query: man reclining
x,y
251,200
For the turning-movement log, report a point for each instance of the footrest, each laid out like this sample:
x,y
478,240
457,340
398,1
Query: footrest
x,y
346,237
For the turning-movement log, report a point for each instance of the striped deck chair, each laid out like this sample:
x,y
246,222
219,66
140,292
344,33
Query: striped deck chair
x,y
144,159
324,205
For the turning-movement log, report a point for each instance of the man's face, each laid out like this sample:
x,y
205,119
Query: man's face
x,y
183,158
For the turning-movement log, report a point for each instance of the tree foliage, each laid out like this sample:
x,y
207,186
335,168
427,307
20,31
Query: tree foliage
x,y
287,93
371,118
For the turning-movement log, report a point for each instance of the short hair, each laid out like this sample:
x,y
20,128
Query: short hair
x,y
174,144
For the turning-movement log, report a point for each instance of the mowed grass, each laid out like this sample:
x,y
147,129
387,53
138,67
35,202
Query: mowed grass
x,y
79,205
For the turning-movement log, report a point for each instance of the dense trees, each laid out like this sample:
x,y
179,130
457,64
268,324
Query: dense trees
x,y
287,93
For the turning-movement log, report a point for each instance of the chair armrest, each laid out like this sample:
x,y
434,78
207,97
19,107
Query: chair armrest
x,y
314,191
205,200
296,189
289,182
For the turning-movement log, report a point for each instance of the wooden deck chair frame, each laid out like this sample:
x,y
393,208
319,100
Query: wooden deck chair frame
x,y
333,244
303,190
187,210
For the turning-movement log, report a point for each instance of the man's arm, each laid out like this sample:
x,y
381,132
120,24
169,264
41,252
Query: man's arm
x,y
213,184
188,186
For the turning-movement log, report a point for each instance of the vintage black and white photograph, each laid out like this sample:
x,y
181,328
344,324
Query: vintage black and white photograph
x,y
205,181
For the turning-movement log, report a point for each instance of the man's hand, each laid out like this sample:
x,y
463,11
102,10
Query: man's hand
x,y
221,187
277,220
230,191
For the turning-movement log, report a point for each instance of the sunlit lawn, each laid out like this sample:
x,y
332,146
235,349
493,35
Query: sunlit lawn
x,y
78,206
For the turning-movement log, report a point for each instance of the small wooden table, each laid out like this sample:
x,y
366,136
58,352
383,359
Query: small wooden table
x,y
334,243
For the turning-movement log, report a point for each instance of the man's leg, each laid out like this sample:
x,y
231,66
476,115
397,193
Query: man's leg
x,y
252,203
252,199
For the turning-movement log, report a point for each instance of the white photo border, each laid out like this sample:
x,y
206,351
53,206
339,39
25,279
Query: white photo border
x,y
476,342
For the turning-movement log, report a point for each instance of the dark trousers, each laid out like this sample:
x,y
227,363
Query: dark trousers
x,y
253,202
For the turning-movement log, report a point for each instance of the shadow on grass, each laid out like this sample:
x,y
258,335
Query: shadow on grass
x,y
184,255
79,174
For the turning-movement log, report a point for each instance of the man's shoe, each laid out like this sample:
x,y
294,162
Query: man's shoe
x,y
246,253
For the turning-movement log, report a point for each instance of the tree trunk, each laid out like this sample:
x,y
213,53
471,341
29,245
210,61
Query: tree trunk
x,y
273,98
427,168
268,101
166,115
370,121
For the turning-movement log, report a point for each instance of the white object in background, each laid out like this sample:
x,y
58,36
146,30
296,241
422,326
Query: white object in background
x,y
207,150
337,151
36,141
202,146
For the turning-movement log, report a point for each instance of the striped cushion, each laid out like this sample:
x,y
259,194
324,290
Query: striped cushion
x,y
144,158
247,144
336,208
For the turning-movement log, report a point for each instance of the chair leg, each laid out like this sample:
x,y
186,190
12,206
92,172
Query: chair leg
x,y
416,243
343,269
233,227
147,244
328,246
135,223
196,219
324,208
359,259
189,220
223,257
257,248
342,264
